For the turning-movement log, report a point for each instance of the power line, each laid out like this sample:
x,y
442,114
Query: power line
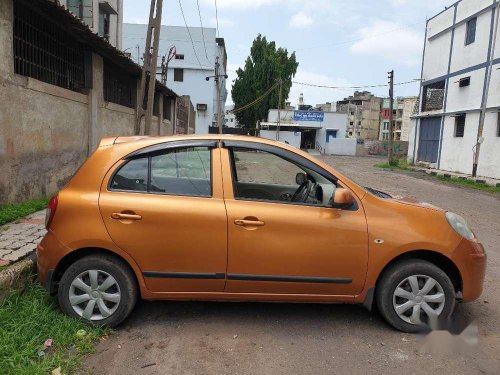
x,y
248,105
202,32
189,32
354,87
217,18
358,39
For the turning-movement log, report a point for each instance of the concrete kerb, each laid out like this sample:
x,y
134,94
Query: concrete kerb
x,y
17,275
449,175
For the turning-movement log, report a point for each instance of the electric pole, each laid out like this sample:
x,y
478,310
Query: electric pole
x,y
280,82
391,129
148,79
217,78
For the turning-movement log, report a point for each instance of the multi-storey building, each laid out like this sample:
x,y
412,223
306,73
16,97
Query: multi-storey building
x,y
188,71
457,127
363,115
104,17
403,109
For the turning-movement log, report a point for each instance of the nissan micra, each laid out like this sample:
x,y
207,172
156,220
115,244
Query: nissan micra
x,y
218,217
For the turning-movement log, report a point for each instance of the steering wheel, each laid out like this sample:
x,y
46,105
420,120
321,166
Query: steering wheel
x,y
303,191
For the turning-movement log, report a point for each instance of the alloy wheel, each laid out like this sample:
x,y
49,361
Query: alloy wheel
x,y
419,299
94,295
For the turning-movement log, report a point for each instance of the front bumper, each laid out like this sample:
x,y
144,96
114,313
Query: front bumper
x,y
471,260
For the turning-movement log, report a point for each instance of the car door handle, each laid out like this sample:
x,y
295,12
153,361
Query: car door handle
x,y
120,216
249,223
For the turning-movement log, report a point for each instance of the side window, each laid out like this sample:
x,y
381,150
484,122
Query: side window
x,y
183,171
133,176
470,33
263,176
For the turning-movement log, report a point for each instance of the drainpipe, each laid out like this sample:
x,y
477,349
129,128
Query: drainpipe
x,y
485,99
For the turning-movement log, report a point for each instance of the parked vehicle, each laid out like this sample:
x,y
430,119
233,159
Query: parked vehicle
x,y
220,217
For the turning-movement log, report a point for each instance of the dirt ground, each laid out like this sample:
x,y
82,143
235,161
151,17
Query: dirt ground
x,y
258,338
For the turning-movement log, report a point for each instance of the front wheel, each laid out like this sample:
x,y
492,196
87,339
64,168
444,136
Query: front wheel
x,y
415,295
99,289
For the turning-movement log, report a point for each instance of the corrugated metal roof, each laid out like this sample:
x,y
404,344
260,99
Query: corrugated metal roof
x,y
81,31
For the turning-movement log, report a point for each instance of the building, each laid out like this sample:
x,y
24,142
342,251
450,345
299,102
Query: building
x,y
458,117
363,111
63,88
314,131
403,109
230,120
103,17
187,72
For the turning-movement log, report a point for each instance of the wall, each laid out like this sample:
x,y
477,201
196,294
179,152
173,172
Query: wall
x,y
489,157
341,146
292,138
376,147
47,131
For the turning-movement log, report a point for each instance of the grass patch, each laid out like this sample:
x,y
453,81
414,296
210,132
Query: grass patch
x,y
28,319
469,183
12,212
401,164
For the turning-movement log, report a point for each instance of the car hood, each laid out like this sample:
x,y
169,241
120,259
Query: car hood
x,y
404,200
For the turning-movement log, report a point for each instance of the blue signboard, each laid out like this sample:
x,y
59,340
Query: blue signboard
x,y
308,116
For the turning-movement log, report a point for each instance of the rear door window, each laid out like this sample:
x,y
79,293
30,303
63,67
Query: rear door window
x,y
182,171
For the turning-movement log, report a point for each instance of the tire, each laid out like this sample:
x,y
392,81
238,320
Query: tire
x,y
402,276
111,302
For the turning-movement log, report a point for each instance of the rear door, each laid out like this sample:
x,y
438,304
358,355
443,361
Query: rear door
x,y
164,206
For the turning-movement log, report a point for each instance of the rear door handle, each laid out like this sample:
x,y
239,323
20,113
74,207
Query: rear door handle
x,y
120,216
249,223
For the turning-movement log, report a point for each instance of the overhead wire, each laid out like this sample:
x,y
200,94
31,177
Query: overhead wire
x,y
355,87
256,101
190,36
217,18
202,32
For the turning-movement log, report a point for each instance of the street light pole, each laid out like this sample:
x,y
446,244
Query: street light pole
x,y
391,98
279,110
217,78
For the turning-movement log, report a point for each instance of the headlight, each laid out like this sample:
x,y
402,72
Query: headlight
x,y
459,225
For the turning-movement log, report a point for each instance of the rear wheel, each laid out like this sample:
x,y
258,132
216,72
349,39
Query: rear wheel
x,y
415,295
99,289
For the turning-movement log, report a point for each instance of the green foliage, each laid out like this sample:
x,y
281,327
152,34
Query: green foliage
x,y
395,164
470,183
12,212
28,319
263,67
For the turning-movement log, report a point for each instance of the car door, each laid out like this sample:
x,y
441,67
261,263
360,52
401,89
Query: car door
x,y
278,246
164,206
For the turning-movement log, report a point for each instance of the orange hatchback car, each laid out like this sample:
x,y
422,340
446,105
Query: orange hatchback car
x,y
247,219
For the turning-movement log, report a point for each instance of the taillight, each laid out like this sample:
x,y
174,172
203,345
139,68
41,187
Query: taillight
x,y
51,210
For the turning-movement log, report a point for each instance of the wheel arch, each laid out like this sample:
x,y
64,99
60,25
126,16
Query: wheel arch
x,y
75,255
438,259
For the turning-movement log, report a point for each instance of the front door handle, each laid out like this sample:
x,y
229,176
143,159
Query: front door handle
x,y
249,223
120,216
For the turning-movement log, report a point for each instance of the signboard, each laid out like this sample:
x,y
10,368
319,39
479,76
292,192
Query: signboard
x,y
308,116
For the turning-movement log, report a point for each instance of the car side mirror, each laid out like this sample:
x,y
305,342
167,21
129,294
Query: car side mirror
x,y
342,198
300,178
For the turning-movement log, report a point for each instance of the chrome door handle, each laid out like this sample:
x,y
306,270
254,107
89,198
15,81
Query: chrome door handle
x,y
249,223
120,216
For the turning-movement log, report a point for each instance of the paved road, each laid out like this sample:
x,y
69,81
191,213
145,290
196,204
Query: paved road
x,y
258,338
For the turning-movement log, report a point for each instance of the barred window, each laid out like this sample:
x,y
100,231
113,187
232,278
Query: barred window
x,y
45,51
119,86
459,125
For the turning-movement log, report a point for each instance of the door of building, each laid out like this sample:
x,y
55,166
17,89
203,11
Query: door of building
x,y
428,144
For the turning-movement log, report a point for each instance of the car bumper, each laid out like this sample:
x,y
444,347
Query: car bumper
x,y
472,265
47,260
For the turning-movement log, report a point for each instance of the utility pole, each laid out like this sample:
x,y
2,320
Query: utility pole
x,y
148,79
391,130
280,81
217,78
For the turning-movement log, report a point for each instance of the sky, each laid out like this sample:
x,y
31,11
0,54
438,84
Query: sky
x,y
337,42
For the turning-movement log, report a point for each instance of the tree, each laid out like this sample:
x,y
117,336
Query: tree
x,y
265,65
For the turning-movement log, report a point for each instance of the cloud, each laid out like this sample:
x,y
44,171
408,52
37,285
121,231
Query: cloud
x,y
301,20
243,4
223,22
401,45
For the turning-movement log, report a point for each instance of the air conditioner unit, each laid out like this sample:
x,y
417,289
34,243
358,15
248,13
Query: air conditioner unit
x,y
201,107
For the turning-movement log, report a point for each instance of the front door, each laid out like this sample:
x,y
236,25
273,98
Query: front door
x,y
428,145
166,210
283,242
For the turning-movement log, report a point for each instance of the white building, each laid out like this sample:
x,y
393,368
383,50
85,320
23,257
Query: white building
x,y
104,17
460,91
323,132
188,71
230,118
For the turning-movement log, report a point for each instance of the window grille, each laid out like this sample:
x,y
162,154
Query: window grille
x,y
119,86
